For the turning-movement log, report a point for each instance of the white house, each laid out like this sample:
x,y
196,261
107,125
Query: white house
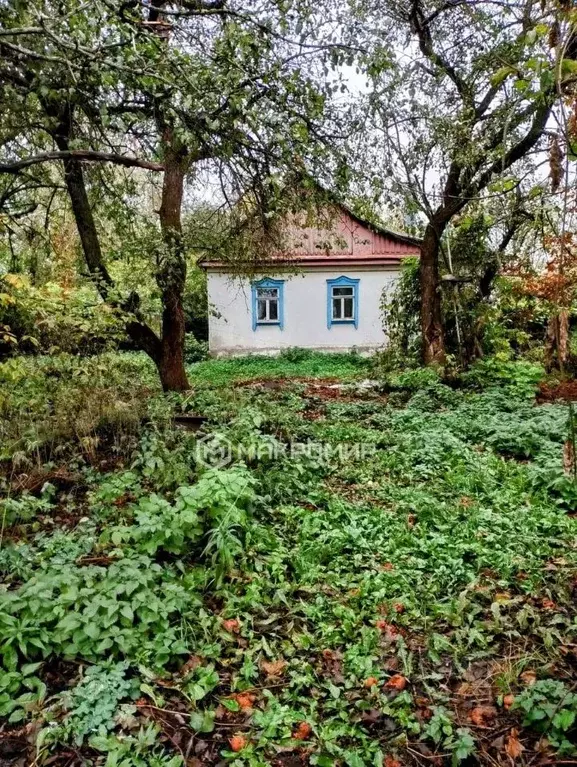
x,y
324,294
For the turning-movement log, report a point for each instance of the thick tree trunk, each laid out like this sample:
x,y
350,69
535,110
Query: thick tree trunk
x,y
431,317
172,271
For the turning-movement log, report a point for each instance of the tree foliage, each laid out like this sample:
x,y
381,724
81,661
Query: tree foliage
x,y
460,94
160,93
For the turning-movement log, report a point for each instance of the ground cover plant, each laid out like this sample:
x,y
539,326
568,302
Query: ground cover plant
x,y
341,567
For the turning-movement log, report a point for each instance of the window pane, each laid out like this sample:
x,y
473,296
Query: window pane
x,y
273,310
261,314
348,313
267,292
336,309
342,291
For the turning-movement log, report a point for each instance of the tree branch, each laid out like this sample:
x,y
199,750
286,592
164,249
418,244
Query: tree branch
x,y
518,150
86,155
421,28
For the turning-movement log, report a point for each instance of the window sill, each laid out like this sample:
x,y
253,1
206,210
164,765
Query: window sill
x,y
273,323
343,322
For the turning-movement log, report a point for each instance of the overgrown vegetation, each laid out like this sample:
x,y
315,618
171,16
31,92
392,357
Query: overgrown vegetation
x,y
400,591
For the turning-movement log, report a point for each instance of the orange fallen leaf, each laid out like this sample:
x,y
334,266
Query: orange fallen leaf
x,y
399,607
388,566
302,732
396,682
237,742
370,682
274,667
390,761
245,700
513,747
528,677
481,715
231,625
548,604
508,701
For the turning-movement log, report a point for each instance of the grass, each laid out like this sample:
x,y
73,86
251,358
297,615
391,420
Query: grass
x,y
406,603
295,365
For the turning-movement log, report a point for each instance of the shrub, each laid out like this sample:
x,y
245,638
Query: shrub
x,y
52,318
519,376
194,351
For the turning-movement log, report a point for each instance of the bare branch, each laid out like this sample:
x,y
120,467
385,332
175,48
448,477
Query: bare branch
x,y
86,155
421,28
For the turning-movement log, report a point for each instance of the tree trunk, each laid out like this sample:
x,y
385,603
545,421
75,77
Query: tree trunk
x,y
142,335
172,270
557,341
431,317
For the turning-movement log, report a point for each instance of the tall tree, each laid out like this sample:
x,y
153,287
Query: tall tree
x,y
158,88
460,92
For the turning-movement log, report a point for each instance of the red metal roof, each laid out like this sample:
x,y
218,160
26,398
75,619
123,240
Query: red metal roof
x,y
349,240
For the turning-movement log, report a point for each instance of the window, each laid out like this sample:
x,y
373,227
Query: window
x,y
342,301
267,303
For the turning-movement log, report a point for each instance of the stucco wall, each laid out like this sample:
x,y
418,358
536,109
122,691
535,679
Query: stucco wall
x,y
305,313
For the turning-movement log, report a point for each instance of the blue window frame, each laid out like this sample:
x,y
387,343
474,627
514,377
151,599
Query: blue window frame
x,y
268,303
343,302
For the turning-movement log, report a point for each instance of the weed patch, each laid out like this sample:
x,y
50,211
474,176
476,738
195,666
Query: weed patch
x,y
415,602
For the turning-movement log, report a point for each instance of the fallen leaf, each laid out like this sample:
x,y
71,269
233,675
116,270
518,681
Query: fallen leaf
x,y
508,701
370,682
411,519
371,716
193,662
390,631
274,668
388,566
481,715
390,761
302,732
237,742
245,700
231,625
548,604
513,747
396,682
528,677
399,607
